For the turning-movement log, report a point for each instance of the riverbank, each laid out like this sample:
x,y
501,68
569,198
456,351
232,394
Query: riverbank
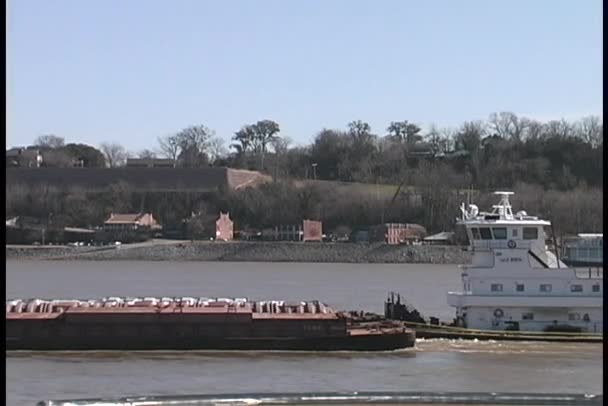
x,y
245,251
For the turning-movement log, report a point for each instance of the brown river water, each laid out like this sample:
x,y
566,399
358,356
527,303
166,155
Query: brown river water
x,y
434,365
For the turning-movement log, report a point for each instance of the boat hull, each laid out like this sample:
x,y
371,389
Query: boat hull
x,y
359,342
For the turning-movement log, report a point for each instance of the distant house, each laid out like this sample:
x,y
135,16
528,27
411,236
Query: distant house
x,y
224,228
150,163
130,222
23,157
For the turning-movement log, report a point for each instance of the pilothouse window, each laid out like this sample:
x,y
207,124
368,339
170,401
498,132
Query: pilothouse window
x,y
530,233
485,233
500,233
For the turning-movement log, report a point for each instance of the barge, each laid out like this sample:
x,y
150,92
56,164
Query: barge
x,y
187,323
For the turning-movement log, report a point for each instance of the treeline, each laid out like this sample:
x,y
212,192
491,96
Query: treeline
x,y
434,205
498,152
555,167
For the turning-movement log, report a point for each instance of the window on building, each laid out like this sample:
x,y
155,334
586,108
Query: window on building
x,y
475,232
519,287
530,233
514,233
485,233
545,288
574,316
576,288
496,287
595,288
500,233
527,316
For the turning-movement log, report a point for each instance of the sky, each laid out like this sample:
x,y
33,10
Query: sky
x,y
131,71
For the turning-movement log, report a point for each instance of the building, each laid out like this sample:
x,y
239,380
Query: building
x,y
150,163
130,222
396,233
23,157
313,230
224,228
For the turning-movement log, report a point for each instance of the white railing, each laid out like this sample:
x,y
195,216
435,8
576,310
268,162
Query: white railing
x,y
500,244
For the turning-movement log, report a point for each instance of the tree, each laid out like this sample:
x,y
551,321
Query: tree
x,y
115,154
193,142
49,141
404,131
216,149
359,129
330,152
434,139
256,137
244,139
265,131
169,146
86,155
146,154
507,125
591,131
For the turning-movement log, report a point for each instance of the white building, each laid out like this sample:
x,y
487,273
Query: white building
x,y
515,282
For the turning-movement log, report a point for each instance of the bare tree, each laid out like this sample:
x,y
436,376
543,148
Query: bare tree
x,y
114,153
193,144
216,149
49,141
434,138
169,146
146,154
507,125
590,130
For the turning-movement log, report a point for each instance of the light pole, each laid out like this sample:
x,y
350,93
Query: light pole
x,y
314,171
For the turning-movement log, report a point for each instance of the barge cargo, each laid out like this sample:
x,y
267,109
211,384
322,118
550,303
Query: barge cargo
x,y
194,324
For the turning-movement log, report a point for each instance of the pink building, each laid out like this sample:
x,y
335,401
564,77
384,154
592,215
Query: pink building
x,y
313,230
224,228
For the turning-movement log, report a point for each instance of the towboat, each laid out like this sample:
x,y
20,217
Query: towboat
x,y
515,287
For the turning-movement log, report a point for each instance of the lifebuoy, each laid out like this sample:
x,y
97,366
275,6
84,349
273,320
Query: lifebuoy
x,y
498,313
511,244
586,317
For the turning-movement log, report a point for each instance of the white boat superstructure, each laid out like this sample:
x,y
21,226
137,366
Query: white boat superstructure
x,y
515,283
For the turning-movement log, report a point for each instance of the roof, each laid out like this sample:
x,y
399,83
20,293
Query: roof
x,y
591,235
116,218
442,236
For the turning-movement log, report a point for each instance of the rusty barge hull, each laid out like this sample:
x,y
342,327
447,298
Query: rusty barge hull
x,y
76,326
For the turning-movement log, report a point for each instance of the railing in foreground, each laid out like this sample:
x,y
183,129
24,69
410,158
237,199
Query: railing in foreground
x,y
346,398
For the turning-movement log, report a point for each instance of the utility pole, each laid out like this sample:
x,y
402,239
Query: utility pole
x,y
314,171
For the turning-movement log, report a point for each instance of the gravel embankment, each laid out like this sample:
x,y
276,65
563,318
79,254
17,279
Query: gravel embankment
x,y
251,252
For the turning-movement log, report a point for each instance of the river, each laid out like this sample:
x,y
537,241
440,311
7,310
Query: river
x,y
435,365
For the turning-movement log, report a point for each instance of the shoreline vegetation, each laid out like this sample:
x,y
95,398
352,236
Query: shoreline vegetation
x,y
247,251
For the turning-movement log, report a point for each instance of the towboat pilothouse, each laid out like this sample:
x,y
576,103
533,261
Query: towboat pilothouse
x,y
515,283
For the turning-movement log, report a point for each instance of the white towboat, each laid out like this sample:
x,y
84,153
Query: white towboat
x,y
515,283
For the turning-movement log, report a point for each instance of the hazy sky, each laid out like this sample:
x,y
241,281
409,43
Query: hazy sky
x,y
130,71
